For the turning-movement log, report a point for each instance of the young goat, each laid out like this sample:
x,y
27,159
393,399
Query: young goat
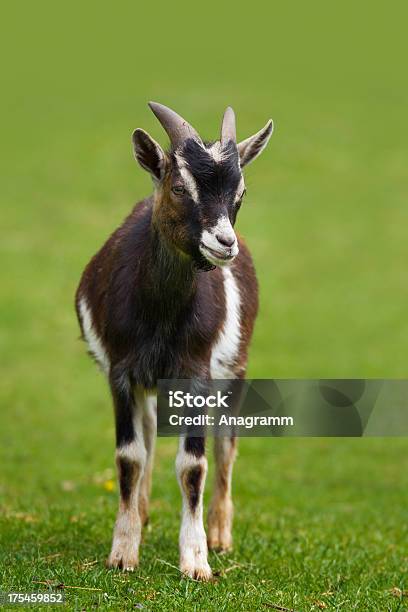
x,y
173,294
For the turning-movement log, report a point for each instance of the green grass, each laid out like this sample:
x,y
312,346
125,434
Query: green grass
x,y
326,220
316,521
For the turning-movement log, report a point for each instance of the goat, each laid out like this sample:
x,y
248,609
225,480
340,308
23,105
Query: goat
x,y
173,295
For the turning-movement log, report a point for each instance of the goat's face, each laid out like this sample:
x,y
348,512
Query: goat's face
x,y
205,188
199,187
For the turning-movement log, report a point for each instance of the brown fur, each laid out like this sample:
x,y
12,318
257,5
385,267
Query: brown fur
x,y
191,481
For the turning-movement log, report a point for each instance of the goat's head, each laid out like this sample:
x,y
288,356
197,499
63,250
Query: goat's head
x,y
198,186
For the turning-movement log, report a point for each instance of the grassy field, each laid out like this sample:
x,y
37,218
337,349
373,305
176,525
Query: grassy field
x,y
320,524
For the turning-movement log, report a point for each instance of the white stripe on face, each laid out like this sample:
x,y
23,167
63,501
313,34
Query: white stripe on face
x,y
188,178
216,152
219,155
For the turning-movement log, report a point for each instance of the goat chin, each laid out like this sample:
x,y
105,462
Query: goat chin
x,y
218,259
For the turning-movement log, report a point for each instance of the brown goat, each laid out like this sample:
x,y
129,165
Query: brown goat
x,y
173,295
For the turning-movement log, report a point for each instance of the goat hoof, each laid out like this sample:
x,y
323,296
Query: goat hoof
x,y
202,573
219,531
194,563
222,545
124,557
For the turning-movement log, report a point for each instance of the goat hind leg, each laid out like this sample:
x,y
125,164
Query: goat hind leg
x,y
220,513
221,509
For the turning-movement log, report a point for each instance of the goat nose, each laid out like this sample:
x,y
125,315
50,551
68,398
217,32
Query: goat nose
x,y
226,239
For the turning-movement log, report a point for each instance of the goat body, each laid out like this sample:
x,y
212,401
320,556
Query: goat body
x,y
173,295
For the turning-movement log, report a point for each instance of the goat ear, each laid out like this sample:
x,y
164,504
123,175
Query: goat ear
x,y
149,154
253,146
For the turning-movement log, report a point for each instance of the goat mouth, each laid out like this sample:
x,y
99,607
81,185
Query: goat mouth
x,y
216,257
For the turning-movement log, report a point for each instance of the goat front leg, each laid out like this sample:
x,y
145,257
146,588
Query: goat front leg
x,y
220,513
191,468
130,461
149,433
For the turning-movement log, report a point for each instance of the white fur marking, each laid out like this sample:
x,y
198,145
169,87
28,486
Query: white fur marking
x,y
226,349
216,152
94,342
127,531
209,241
192,540
187,177
134,451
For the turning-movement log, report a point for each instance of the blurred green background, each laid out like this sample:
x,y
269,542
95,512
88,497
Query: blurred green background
x,y
325,217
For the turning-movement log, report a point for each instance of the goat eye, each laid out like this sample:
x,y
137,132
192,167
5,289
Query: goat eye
x,y
178,189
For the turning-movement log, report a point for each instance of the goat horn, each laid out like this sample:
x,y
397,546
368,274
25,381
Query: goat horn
x,y
228,130
176,127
